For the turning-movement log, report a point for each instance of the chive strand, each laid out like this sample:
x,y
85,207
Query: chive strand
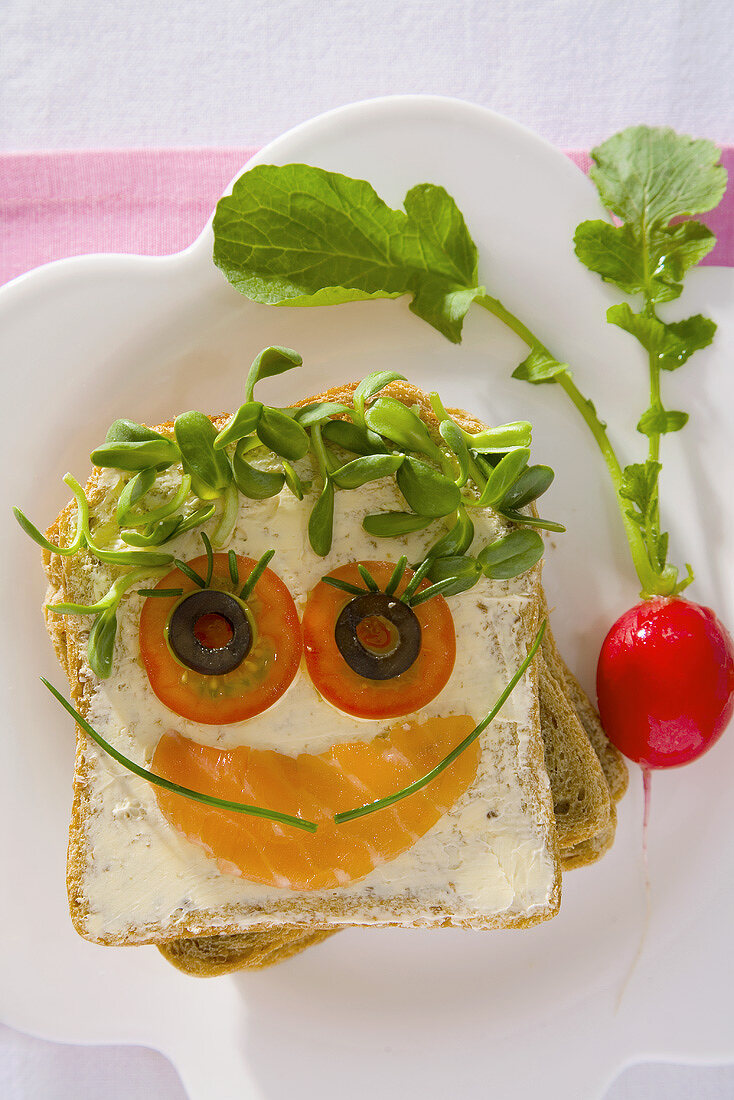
x,y
189,572
166,784
397,576
234,571
160,592
209,558
428,593
416,579
413,788
367,577
256,574
344,586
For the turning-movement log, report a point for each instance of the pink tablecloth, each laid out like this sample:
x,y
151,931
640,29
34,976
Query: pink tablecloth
x,y
153,201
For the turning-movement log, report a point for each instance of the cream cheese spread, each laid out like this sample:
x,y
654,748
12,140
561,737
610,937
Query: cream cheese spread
x,y
488,856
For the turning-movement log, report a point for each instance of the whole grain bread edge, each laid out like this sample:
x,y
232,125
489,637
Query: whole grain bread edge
x,y
65,635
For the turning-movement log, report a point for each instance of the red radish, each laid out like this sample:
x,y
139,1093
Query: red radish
x,y
665,682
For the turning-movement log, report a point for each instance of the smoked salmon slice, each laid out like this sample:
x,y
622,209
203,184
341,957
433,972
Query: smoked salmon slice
x,y
316,787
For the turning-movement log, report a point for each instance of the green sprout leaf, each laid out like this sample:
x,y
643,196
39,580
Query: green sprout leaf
x,y
360,471
372,385
457,540
500,439
318,412
208,469
454,439
388,525
321,521
503,477
195,518
531,484
127,431
101,644
462,570
134,490
428,492
282,434
269,363
82,523
524,520
136,455
155,534
293,481
392,419
352,437
243,423
128,516
511,555
255,483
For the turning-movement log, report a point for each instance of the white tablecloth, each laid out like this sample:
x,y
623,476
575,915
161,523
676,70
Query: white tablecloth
x,y
80,73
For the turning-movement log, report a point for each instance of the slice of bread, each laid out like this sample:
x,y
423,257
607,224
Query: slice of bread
x,y
519,763
212,956
581,801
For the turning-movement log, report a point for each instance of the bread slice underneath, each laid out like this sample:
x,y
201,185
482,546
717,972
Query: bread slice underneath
x,y
596,818
70,636
212,956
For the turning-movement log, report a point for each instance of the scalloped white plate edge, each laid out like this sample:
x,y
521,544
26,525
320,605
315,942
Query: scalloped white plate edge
x,y
603,1042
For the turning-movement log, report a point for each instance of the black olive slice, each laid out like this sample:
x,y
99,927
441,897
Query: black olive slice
x,y
387,662
190,651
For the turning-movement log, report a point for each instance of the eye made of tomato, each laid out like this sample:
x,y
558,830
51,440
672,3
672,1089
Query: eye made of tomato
x,y
372,656
212,658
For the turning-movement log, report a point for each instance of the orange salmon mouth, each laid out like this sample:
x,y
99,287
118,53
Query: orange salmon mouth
x,y
316,787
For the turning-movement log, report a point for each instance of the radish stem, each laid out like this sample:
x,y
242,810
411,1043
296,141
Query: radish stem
x,y
652,582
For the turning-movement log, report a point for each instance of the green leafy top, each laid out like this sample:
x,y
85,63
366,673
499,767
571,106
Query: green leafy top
x,y
297,235
301,236
647,176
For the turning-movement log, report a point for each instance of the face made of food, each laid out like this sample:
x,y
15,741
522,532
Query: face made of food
x,y
294,727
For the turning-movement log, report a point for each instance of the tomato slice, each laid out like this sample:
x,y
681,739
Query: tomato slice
x,y
355,694
257,682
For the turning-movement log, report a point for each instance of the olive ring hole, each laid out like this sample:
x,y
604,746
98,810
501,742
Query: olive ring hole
x,y
378,636
209,632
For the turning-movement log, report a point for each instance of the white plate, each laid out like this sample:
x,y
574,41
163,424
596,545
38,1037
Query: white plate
x,y
384,1012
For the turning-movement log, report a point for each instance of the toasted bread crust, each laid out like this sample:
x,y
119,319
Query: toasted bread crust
x,y
211,956
66,634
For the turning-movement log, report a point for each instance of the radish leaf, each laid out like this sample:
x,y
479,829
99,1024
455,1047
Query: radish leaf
x,y
271,243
